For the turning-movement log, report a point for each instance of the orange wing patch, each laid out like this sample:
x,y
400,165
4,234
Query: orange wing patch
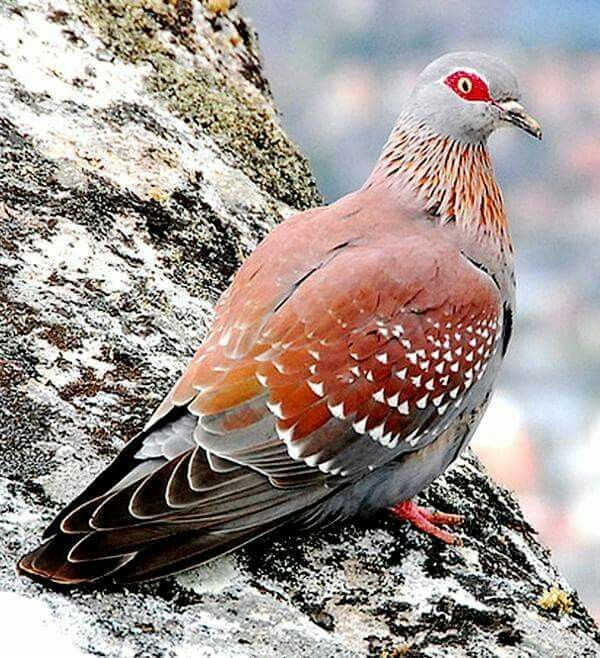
x,y
351,353
386,377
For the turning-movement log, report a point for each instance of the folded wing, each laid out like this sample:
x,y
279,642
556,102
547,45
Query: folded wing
x,y
306,382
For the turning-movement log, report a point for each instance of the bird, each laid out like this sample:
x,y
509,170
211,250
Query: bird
x,y
348,365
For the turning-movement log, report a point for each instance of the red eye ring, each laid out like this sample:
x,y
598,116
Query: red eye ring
x,y
468,86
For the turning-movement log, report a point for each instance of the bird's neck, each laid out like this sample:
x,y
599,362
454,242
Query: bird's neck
x,y
453,182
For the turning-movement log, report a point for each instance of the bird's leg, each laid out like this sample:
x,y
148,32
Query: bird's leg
x,y
428,521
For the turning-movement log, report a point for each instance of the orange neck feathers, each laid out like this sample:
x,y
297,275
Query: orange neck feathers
x,y
453,181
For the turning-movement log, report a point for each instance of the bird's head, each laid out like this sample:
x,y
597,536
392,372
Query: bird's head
x,y
468,95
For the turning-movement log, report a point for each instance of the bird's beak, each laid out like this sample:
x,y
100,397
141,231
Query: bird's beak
x,y
514,113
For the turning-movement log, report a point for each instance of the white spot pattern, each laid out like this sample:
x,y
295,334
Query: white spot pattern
x,y
445,351
317,388
409,377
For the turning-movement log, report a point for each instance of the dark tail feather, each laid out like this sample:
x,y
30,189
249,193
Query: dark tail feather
x,y
174,517
183,553
176,551
49,562
123,463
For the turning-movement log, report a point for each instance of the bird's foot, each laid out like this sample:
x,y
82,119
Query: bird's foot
x,y
428,520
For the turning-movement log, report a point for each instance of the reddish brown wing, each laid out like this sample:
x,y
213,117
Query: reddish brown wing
x,y
310,371
358,362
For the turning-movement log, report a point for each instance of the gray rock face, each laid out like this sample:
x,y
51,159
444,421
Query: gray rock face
x,y
140,160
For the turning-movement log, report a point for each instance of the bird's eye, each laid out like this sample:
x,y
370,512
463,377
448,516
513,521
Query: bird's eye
x,y
465,85
469,86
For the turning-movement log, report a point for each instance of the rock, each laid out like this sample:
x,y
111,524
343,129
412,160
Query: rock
x,y
141,160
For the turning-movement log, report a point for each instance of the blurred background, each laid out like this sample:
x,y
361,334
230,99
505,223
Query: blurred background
x,y
340,71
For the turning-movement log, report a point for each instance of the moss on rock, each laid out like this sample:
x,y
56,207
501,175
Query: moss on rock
x,y
132,28
241,127
238,118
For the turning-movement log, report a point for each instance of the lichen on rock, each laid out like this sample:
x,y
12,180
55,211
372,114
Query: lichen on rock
x,y
230,104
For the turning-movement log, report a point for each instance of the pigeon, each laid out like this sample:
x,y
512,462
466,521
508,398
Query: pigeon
x,y
348,365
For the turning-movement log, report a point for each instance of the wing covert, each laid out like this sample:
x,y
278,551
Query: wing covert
x,y
364,359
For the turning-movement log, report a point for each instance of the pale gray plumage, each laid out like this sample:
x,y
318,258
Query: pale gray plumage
x,y
446,113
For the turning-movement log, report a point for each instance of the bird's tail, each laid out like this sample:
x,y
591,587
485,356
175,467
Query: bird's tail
x,y
145,555
146,519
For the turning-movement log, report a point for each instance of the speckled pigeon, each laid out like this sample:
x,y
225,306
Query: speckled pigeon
x,y
348,365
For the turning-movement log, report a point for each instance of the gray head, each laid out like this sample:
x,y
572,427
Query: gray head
x,y
467,96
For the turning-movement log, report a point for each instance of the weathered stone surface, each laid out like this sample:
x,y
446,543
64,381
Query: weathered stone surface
x,y
140,159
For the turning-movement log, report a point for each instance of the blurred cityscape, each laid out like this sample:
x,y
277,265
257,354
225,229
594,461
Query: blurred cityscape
x,y
340,71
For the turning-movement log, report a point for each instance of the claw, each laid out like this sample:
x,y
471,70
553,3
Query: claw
x,y
442,518
429,520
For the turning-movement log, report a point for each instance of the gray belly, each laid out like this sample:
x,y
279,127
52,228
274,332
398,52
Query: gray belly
x,y
406,476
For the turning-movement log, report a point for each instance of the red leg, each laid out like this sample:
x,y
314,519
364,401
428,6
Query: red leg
x,y
428,521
